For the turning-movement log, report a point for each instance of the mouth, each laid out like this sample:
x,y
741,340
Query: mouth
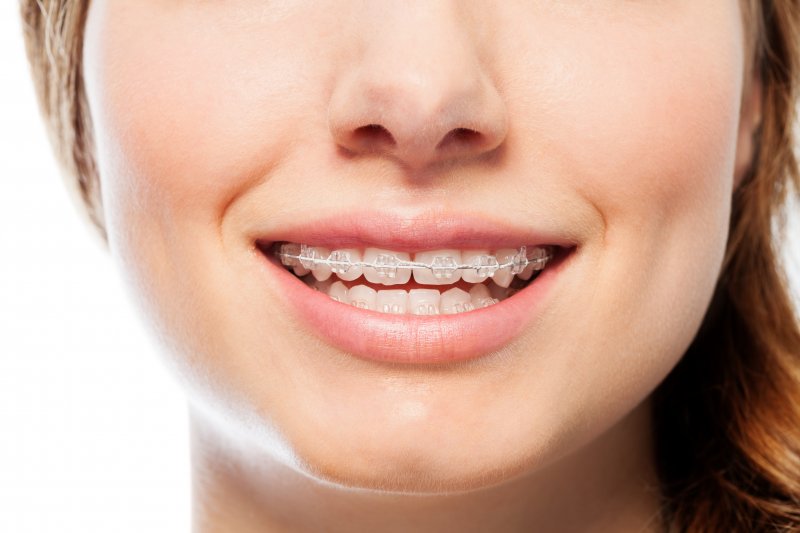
x,y
433,282
425,290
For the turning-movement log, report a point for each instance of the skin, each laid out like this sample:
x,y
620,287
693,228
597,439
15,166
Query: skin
x,y
624,125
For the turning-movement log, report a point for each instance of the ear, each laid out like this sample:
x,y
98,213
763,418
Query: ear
x,y
749,122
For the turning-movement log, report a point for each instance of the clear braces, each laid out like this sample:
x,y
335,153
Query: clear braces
x,y
387,265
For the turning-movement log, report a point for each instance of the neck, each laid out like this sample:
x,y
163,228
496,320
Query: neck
x,y
607,485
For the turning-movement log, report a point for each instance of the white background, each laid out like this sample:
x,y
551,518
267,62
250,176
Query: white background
x,y
93,432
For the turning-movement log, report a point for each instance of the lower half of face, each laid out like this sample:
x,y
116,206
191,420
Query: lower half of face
x,y
226,138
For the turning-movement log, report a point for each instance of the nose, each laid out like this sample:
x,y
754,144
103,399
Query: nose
x,y
417,93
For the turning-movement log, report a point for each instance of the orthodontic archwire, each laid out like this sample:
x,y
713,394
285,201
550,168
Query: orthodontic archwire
x,y
387,265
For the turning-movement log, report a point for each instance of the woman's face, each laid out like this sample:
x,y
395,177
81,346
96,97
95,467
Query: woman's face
x,y
609,130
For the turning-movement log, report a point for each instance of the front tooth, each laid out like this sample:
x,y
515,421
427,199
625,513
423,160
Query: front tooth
x,y
321,271
444,263
362,297
504,276
394,302
386,271
484,265
455,301
481,297
338,291
424,301
343,263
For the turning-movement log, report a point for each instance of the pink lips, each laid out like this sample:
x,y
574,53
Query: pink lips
x,y
411,338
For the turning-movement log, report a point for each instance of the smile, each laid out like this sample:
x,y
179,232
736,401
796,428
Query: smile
x,y
426,288
445,281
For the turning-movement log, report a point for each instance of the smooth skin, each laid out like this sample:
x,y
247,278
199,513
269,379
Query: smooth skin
x,y
622,125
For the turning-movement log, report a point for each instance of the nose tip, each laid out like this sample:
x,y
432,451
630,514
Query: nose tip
x,y
418,115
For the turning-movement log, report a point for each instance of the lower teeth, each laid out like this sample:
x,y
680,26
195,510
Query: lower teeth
x,y
429,301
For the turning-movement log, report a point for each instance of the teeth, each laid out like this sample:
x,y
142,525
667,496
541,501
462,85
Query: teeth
x,y
484,265
307,256
415,301
300,270
288,253
362,297
343,263
306,260
480,297
394,302
527,273
337,291
480,267
289,258
321,286
385,270
435,267
321,271
519,261
443,269
455,301
497,292
424,301
504,276
538,255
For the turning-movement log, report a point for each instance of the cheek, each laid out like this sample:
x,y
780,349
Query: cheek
x,y
657,146
659,149
645,125
188,115
191,109
191,106
657,162
643,128
636,107
638,117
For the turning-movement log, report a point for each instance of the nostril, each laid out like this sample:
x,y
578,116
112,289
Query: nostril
x,y
374,137
460,137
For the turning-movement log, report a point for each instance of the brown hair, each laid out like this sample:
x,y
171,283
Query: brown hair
x,y
53,31
728,417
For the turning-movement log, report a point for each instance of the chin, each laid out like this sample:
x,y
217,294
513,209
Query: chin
x,y
403,471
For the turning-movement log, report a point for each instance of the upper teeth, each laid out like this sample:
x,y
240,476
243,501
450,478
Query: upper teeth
x,y
436,267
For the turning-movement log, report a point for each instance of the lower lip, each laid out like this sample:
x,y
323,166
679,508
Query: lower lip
x,y
416,339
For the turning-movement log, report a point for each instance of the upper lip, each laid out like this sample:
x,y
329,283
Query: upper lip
x,y
410,232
